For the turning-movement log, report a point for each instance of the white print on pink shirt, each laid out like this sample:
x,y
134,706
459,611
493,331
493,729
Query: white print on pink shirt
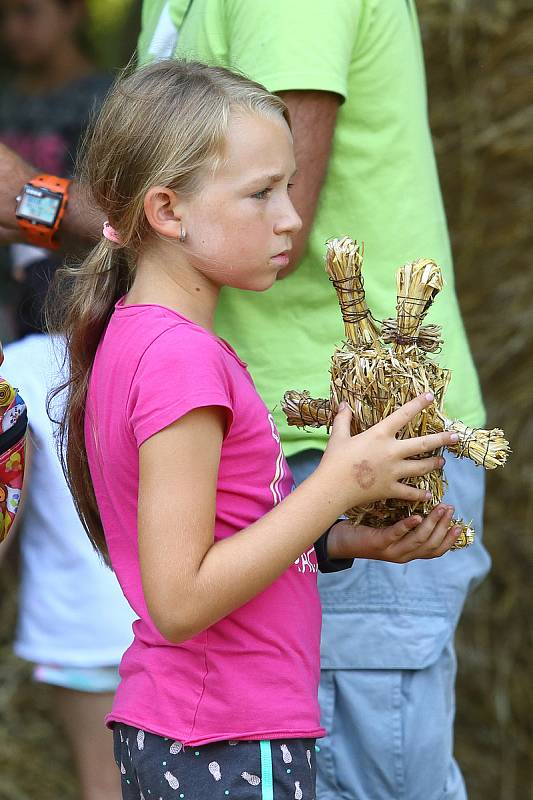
x,y
280,471
304,563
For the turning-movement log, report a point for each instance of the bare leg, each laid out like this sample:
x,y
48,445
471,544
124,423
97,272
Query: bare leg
x,y
82,715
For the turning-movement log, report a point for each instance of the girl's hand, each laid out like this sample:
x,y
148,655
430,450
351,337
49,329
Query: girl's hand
x,y
411,538
370,466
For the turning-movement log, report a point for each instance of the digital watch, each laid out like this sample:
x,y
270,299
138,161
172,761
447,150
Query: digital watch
x,y
40,208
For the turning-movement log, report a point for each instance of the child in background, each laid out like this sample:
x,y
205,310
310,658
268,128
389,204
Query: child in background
x,y
73,621
175,463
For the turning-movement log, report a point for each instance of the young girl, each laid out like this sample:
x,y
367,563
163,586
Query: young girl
x,y
175,462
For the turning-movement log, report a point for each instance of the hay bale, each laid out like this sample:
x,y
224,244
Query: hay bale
x,y
34,759
479,55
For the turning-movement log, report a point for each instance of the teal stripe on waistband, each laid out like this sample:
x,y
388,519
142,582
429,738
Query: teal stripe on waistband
x,y
267,778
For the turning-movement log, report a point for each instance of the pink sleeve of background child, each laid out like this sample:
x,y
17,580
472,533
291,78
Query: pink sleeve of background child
x,y
182,369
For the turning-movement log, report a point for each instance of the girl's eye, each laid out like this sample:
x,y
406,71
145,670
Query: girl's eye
x,y
262,195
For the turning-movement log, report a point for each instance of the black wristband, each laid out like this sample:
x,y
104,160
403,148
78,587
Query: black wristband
x,y
326,564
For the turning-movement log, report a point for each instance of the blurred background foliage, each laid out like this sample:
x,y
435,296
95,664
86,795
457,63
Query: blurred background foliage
x,y
479,56
113,28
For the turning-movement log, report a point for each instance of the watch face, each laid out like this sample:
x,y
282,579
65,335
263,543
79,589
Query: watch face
x,y
39,205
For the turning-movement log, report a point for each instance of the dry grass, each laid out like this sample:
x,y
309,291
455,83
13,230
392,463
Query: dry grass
x,y
34,761
480,56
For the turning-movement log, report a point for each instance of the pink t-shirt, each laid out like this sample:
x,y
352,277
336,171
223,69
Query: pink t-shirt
x,y
254,674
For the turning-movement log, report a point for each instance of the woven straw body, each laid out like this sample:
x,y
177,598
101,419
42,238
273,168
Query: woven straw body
x,y
381,367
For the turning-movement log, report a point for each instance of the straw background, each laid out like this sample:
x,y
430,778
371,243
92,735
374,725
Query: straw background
x,y
479,56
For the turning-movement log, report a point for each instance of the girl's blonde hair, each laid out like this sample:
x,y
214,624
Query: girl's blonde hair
x,y
164,125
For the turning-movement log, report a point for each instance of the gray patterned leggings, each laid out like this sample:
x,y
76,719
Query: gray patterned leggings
x,y
157,768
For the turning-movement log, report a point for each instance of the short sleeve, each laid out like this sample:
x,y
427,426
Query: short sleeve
x,y
179,371
296,45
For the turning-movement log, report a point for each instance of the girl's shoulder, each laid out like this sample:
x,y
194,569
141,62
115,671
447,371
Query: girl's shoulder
x,y
157,366
155,339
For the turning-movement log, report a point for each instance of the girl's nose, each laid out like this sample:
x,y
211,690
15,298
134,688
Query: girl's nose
x,y
289,220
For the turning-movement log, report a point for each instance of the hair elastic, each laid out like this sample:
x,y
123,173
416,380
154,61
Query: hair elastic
x,y
110,233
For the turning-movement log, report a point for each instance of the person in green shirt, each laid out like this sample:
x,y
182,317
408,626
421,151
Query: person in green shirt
x,y
352,75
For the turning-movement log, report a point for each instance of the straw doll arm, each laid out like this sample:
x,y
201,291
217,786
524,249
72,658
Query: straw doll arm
x,y
487,448
303,411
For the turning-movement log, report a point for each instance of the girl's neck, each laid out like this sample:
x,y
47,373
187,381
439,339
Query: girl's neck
x,y
68,64
174,284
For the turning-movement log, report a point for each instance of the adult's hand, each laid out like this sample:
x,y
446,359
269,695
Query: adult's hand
x,y
14,173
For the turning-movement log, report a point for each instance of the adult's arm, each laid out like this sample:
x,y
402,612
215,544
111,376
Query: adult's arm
x,y
313,116
81,225
305,59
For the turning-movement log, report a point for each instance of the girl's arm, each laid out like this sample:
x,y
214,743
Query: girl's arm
x,y
410,538
189,580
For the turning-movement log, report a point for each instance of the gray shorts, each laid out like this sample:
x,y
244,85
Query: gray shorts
x,y
157,768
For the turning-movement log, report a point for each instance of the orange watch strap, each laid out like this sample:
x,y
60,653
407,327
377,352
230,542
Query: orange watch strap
x,y
42,235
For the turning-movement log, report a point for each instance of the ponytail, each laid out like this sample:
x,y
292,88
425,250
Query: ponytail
x,y
87,294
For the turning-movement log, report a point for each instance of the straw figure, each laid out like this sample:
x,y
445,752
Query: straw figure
x,y
380,367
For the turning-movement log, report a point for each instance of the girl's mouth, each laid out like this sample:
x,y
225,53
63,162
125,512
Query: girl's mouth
x,y
281,259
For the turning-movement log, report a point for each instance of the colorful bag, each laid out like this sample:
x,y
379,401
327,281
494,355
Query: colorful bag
x,y
13,424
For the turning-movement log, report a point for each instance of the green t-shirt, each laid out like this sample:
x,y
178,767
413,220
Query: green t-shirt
x,y
381,187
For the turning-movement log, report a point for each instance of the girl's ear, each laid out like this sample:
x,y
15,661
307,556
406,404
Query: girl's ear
x,y
163,211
